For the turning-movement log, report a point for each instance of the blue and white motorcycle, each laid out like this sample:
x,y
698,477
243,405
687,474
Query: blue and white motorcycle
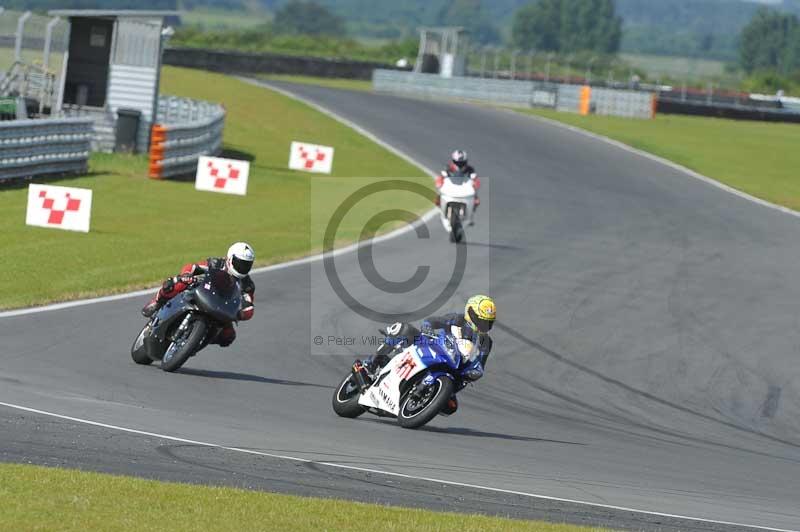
x,y
415,386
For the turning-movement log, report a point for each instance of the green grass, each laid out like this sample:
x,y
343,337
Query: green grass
x,y
676,67
333,83
38,498
143,230
759,158
220,19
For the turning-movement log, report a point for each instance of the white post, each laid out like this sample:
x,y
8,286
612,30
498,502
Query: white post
x,y
547,67
514,64
48,39
588,76
62,79
569,64
531,55
423,43
20,29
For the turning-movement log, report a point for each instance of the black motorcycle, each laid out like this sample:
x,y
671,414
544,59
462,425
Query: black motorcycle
x,y
190,321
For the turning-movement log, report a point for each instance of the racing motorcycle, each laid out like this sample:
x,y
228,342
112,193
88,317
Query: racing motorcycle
x,y
190,321
456,202
414,387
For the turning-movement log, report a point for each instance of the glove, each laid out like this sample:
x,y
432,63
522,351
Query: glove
x,y
475,372
247,307
186,278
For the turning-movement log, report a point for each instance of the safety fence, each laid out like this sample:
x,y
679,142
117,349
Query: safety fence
x,y
185,129
31,148
572,98
33,53
235,62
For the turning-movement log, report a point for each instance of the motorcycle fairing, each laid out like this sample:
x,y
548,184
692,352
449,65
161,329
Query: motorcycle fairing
x,y
219,296
386,392
173,310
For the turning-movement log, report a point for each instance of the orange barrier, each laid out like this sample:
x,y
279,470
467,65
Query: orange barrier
x,y
585,104
157,140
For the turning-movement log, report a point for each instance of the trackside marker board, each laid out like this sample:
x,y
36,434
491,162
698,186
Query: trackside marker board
x,y
228,176
311,158
59,207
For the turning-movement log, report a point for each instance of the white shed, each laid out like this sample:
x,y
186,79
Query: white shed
x,y
113,62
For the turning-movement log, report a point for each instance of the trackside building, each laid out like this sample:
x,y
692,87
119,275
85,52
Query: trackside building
x,y
112,69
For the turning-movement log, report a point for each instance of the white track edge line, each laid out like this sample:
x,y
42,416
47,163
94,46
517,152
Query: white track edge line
x,y
666,162
378,471
425,218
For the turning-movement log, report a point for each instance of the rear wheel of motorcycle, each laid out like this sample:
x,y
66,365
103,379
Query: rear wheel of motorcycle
x,y
416,411
138,351
345,398
182,348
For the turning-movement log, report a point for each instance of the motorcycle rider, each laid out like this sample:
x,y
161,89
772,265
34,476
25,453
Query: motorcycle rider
x,y
237,263
460,165
470,329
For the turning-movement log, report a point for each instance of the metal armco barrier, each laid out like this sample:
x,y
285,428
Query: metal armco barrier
x,y
627,103
499,91
571,98
185,130
31,148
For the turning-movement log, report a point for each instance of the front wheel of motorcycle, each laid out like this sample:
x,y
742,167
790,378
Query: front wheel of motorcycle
x,y
184,345
345,398
138,351
456,228
423,403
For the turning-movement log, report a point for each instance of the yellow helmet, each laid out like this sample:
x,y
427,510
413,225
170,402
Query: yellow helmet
x,y
480,312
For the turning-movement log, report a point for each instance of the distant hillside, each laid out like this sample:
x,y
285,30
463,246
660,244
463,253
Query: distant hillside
x,y
701,28
705,28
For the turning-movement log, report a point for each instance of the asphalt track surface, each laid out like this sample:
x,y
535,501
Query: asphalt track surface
x,y
647,356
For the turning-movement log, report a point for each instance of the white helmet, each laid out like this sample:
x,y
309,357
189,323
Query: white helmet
x,y
240,259
459,158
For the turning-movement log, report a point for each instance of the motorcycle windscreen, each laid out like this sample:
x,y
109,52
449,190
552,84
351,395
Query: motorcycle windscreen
x,y
459,178
441,350
219,296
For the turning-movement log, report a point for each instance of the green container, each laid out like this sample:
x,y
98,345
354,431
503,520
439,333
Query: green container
x,y
8,106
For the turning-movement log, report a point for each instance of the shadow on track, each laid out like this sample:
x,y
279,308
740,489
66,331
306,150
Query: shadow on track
x,y
230,375
642,394
506,247
463,431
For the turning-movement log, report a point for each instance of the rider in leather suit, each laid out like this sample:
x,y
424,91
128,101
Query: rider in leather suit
x,y
471,328
237,263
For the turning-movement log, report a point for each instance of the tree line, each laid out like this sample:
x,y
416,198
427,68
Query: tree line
x,y
771,42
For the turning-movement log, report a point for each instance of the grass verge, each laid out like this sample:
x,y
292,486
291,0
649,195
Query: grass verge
x,y
759,158
39,498
143,230
333,83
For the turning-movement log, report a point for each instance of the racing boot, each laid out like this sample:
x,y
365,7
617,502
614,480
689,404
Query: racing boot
x,y
374,363
451,406
475,205
152,307
362,375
